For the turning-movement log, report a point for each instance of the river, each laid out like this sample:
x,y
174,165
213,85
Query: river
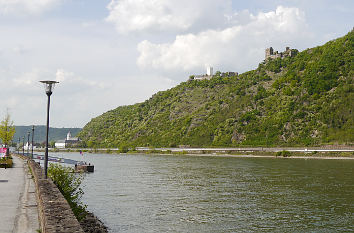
x,y
180,193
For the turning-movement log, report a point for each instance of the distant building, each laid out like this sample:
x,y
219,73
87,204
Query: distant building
x,y
60,144
69,141
271,54
210,71
202,77
208,75
28,146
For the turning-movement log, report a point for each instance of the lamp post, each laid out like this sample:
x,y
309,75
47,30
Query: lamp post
x,y
23,145
18,147
32,140
49,86
28,134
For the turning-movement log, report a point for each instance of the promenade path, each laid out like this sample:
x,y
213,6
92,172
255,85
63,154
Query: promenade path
x,y
18,210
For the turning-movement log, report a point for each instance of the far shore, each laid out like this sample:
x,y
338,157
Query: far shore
x,y
293,153
268,156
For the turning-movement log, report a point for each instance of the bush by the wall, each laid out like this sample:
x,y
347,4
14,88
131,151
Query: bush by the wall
x,y
69,183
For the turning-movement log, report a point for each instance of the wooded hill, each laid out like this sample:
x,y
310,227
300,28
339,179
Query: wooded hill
x,y
303,100
40,133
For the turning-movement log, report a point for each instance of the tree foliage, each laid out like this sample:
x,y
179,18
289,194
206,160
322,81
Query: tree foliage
x,y
7,130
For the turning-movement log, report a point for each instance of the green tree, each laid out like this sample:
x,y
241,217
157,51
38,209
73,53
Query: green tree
x,y
52,144
7,130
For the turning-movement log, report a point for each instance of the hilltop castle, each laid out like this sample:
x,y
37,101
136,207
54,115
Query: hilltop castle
x,y
210,74
270,54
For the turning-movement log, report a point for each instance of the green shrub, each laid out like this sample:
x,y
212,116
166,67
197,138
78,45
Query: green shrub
x,y
6,162
123,149
286,153
283,153
69,183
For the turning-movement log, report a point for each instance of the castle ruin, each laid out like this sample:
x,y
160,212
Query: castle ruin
x,y
210,74
270,54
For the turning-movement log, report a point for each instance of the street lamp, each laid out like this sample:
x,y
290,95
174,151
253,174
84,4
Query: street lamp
x,y
23,145
32,139
18,147
28,134
49,87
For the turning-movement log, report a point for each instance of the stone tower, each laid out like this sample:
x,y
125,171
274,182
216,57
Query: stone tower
x,y
210,71
268,53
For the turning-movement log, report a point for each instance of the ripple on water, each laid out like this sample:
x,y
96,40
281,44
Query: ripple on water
x,y
156,193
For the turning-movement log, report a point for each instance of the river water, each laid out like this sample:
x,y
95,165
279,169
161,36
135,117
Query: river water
x,y
170,193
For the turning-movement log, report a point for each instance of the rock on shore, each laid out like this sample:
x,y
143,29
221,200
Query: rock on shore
x,y
91,224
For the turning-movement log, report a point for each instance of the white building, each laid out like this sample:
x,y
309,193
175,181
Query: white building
x,y
29,146
210,71
68,141
60,144
208,76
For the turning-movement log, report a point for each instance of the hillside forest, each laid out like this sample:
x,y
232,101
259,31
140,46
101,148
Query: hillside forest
x,y
306,100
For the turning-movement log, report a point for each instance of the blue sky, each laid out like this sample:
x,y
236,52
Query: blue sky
x,y
110,53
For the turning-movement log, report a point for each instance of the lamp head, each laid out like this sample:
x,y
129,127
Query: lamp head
x,y
49,86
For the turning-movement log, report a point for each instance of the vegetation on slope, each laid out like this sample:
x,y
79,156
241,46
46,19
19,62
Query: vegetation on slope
x,y
303,100
40,133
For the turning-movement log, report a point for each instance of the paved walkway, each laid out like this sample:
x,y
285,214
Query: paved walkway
x,y
18,210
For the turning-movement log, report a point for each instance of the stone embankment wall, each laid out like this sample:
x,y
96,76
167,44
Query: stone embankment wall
x,y
54,211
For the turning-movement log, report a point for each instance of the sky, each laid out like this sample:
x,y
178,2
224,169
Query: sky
x,y
109,53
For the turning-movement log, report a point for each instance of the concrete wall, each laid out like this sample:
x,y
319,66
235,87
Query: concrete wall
x,y
55,213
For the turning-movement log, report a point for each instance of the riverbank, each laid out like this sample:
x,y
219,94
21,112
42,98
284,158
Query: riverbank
x,y
323,151
296,153
92,224
271,156
50,211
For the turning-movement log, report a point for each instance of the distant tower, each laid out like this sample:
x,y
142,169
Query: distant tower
x,y
68,136
209,71
268,52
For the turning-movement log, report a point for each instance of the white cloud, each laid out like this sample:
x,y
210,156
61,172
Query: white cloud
x,y
71,80
25,94
236,47
19,7
28,78
165,15
62,75
20,49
